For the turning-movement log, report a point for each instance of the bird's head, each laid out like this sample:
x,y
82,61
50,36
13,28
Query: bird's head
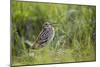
x,y
47,25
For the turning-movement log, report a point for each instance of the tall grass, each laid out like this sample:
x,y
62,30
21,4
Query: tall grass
x,y
74,39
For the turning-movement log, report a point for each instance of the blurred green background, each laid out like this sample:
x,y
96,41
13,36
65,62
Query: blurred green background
x,y
75,32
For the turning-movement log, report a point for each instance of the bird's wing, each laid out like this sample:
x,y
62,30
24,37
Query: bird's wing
x,y
44,35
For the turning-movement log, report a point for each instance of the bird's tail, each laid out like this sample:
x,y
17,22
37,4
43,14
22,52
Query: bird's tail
x,y
34,45
31,45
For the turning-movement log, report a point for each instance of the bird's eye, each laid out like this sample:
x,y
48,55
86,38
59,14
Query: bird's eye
x,y
45,24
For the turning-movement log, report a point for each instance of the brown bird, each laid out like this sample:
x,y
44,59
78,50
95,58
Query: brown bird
x,y
46,35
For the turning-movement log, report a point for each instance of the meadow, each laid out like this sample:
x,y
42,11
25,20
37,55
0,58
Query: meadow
x,y
75,33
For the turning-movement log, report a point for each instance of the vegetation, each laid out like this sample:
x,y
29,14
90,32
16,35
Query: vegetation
x,y
74,39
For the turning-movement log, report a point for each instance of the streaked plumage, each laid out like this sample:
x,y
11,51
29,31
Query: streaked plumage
x,y
46,35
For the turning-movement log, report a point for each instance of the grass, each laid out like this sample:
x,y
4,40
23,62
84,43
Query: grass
x,y
74,39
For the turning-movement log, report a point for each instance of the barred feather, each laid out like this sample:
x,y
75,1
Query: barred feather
x,y
45,35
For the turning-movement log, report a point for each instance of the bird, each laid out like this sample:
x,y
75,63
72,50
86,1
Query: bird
x,y
46,35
